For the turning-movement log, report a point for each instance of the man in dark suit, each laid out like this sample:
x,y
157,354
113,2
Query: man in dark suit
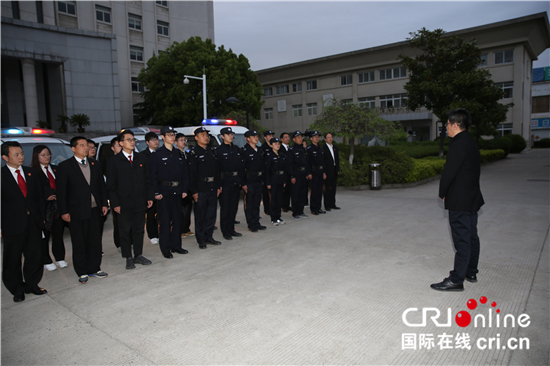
x,y
332,169
152,141
23,213
82,200
130,193
459,188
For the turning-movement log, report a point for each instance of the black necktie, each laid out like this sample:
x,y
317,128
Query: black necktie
x,y
83,161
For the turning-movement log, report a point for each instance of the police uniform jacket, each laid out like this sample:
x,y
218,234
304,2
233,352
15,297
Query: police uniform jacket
x,y
298,161
276,168
231,163
204,170
265,148
167,167
254,165
315,158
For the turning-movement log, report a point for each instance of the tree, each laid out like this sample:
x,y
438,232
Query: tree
x,y
345,119
169,102
445,75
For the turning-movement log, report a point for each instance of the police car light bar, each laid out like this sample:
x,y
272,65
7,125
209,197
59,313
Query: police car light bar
x,y
26,131
42,131
225,122
11,131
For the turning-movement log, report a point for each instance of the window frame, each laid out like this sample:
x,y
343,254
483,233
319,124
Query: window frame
x,y
134,18
311,85
394,97
268,113
361,75
285,89
297,87
104,11
503,53
508,89
270,93
139,87
136,49
346,80
165,26
311,109
402,70
484,60
365,102
66,4
538,102
297,110
162,3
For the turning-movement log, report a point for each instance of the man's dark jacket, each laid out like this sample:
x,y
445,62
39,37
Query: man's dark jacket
x,y
459,183
330,167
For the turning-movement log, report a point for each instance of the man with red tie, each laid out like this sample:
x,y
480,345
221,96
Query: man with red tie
x,y
23,213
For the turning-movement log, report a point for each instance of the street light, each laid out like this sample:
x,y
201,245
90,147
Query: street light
x,y
186,82
235,100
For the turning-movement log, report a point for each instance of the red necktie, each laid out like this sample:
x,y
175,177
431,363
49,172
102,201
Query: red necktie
x,y
21,183
50,178
130,157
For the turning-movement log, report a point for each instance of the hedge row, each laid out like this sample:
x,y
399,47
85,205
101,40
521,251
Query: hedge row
x,y
492,155
542,143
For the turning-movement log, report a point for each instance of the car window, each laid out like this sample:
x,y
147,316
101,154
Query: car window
x,y
60,152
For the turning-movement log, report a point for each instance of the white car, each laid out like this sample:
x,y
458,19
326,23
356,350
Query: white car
x,y
104,145
60,148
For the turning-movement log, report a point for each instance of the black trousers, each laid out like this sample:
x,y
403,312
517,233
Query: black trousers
x,y
276,201
131,227
252,204
86,241
286,195
186,209
298,191
316,192
152,224
19,277
330,190
466,242
58,247
266,199
205,215
169,220
116,230
229,204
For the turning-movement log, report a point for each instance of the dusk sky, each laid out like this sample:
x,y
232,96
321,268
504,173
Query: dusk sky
x,y
271,34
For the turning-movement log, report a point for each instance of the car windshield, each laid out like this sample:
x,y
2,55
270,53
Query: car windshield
x,y
60,152
238,139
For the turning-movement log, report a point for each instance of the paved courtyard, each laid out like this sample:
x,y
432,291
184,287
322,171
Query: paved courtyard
x,y
331,289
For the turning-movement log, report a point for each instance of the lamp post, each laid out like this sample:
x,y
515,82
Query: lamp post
x,y
235,100
186,82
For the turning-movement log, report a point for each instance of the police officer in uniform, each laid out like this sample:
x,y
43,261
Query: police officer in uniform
x,y
205,186
232,172
266,148
299,174
316,159
170,181
276,172
253,181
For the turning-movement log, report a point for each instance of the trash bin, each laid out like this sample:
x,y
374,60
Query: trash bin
x,y
375,176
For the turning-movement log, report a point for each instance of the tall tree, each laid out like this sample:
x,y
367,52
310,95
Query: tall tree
x,y
345,119
446,75
169,102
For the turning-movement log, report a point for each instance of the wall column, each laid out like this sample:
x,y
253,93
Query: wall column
x,y
29,86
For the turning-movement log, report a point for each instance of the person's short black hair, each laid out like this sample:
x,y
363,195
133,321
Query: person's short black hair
x,y
114,140
150,135
120,136
90,141
74,140
179,135
284,133
461,117
6,147
328,133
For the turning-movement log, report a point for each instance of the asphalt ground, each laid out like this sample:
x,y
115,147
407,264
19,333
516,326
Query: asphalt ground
x,y
331,289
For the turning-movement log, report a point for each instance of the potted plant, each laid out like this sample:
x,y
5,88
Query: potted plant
x,y
43,124
79,120
64,120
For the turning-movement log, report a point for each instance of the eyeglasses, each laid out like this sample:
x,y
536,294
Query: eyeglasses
x,y
44,155
130,140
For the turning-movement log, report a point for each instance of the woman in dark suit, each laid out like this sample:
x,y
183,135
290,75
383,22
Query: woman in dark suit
x,y
41,157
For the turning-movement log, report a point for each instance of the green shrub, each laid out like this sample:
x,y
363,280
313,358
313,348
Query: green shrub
x,y
420,149
425,168
518,143
542,143
350,177
495,144
491,155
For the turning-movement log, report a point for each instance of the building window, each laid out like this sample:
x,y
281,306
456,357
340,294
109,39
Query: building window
x,y
134,21
393,73
504,57
505,129
268,113
311,85
136,53
67,7
365,77
541,104
39,12
281,89
312,109
367,102
346,80
268,92
484,59
102,14
162,28
297,87
163,3
136,86
297,110
393,101
507,88
15,10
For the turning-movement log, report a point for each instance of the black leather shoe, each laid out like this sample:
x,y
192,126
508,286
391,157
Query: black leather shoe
x,y
234,233
261,227
253,230
335,208
19,297
213,242
471,278
35,290
327,209
202,246
322,212
285,209
167,255
447,285
237,222
180,251
130,263
227,237
315,213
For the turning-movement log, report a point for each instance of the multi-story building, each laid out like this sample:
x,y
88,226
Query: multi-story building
x,y
68,57
540,113
294,94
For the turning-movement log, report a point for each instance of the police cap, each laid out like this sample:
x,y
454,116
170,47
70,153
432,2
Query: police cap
x,y
268,132
166,129
250,133
226,131
200,129
275,139
296,133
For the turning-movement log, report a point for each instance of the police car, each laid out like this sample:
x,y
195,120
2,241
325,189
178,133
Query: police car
x,y
60,148
104,145
214,126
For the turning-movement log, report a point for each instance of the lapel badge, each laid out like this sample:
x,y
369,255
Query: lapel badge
x,y
140,165
29,174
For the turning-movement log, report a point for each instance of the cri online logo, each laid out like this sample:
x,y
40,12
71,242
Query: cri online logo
x,y
464,319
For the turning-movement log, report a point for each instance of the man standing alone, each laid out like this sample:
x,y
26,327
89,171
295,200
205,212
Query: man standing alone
x,y
459,188
332,169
